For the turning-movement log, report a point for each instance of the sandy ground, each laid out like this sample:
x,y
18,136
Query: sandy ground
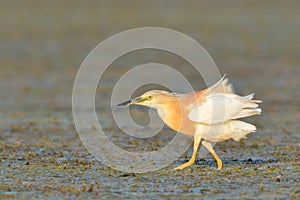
x,y
42,45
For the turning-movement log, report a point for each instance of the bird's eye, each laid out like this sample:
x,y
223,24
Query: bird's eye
x,y
149,97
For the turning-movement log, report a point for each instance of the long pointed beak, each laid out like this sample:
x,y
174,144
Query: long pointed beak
x,y
131,101
125,103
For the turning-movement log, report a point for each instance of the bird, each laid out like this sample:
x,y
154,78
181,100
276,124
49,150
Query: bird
x,y
210,115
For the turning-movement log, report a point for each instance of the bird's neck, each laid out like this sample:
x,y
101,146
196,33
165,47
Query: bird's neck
x,y
170,114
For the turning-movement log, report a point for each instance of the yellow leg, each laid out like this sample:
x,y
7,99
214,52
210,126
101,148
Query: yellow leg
x,y
197,140
212,151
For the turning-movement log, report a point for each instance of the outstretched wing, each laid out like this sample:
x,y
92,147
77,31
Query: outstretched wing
x,y
222,86
221,107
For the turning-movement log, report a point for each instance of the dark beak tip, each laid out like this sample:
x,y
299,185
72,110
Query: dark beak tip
x,y
125,103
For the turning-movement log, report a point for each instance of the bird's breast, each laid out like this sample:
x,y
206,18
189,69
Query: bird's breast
x,y
176,117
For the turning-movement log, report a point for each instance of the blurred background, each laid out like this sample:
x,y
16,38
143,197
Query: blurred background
x,y
42,44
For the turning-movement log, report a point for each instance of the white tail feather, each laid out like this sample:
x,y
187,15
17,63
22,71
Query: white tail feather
x,y
250,105
250,96
249,112
242,129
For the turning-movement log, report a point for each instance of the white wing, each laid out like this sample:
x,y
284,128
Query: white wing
x,y
219,108
222,86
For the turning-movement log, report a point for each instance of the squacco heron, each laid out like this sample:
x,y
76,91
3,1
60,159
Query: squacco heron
x,y
209,115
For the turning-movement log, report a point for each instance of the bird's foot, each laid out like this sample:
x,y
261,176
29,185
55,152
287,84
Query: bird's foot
x,y
189,163
219,162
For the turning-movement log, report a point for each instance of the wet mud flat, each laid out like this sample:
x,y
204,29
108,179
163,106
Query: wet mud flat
x,y
41,155
46,159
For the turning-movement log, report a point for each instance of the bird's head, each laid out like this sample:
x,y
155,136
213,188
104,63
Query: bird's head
x,y
153,98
